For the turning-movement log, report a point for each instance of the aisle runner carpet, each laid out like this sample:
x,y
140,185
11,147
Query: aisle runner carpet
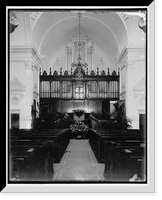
x,y
78,164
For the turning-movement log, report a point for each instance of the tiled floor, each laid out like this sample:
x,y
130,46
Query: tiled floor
x,y
78,164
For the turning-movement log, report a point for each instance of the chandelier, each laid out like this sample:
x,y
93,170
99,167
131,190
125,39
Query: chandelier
x,y
79,65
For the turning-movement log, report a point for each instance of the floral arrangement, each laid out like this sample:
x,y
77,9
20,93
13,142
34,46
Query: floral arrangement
x,y
79,127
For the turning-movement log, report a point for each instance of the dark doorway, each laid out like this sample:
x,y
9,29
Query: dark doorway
x,y
15,120
142,122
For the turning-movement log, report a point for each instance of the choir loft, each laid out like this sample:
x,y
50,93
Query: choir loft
x,y
77,90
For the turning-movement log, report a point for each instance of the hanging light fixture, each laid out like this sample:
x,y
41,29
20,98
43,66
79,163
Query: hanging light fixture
x,y
79,65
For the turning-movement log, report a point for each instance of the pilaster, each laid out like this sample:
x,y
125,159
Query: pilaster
x,y
132,66
24,65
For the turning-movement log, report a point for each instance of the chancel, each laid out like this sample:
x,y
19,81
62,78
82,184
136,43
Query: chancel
x,y
77,90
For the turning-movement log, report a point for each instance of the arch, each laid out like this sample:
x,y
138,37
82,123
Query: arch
x,y
106,32
71,17
85,15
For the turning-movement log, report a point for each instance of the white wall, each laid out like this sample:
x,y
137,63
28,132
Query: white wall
x,y
99,52
25,69
132,64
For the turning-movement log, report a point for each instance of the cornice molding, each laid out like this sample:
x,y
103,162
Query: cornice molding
x,y
125,53
22,49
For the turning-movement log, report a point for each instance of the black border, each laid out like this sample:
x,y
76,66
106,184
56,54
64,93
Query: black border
x,y
78,182
146,80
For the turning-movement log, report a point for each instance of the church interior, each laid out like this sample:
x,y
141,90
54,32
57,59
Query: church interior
x,y
77,95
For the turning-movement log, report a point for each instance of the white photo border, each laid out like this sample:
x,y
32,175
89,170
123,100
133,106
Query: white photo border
x,y
111,188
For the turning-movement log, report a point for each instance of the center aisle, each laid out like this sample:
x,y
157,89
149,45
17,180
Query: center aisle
x,y
78,164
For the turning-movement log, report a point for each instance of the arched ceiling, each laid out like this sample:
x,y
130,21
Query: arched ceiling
x,y
53,28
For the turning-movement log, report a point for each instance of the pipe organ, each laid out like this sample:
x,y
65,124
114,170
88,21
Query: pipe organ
x,y
86,87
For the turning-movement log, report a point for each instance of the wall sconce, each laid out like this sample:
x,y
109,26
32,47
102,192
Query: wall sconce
x,y
14,22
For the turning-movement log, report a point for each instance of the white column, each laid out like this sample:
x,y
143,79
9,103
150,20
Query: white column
x,y
26,120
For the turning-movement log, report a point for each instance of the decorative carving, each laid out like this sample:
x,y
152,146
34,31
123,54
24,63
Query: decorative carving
x,y
68,48
55,73
123,88
16,85
108,72
60,70
103,73
139,92
44,73
16,91
79,50
87,72
97,71
57,64
114,73
90,49
123,95
141,85
35,88
50,71
92,73
15,100
14,21
125,18
29,64
78,45
66,73
101,63
35,91
34,16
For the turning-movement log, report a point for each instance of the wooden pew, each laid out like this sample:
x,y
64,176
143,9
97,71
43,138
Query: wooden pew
x,y
122,159
123,152
59,139
31,162
38,139
96,140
